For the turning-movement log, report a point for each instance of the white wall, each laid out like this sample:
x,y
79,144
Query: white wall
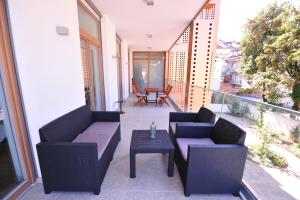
x,y
48,65
125,61
109,63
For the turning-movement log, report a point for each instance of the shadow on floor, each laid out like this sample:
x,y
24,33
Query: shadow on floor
x,y
262,184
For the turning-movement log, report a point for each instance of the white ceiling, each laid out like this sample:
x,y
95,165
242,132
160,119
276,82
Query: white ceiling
x,y
165,20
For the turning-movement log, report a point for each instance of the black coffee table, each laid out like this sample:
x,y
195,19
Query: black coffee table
x,y
142,143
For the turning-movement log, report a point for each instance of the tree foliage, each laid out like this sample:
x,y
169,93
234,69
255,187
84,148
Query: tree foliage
x,y
271,52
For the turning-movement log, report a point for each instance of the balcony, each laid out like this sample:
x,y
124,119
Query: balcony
x,y
117,46
151,180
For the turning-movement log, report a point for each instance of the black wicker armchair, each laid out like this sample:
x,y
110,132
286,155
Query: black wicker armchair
x,y
203,117
210,158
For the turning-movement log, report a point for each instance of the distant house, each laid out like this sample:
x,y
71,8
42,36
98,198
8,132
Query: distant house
x,y
228,44
231,72
228,75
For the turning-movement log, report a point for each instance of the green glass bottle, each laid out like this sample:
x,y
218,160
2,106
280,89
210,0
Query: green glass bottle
x,y
153,130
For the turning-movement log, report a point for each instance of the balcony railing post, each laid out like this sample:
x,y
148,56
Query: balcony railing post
x,y
223,101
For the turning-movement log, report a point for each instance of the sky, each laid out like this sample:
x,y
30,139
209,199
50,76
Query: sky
x,y
235,13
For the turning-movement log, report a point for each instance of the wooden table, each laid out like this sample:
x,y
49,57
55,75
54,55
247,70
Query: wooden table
x,y
152,90
141,142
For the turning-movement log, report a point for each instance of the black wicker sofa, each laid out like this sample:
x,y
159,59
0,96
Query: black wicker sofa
x,y
76,150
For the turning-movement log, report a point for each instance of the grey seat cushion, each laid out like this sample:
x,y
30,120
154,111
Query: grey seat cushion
x,y
100,133
183,144
102,128
102,140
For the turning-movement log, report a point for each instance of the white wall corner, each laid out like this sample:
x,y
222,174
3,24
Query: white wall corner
x,y
125,64
109,63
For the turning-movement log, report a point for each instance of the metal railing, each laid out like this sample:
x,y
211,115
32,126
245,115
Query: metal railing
x,y
178,93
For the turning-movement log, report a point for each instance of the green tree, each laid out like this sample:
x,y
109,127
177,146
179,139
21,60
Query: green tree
x,y
271,52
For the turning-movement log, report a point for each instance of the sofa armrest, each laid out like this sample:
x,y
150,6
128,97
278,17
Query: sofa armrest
x,y
66,164
193,130
182,116
107,116
220,166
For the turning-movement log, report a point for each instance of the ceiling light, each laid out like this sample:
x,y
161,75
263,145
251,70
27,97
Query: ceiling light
x,y
149,2
149,35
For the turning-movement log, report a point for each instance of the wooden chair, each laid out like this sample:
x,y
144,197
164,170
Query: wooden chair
x,y
141,97
134,84
163,97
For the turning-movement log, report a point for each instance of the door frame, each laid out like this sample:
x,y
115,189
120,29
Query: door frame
x,y
119,65
13,97
91,40
90,71
149,59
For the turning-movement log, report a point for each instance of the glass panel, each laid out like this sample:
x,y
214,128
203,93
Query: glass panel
x,y
85,68
273,153
158,55
140,55
141,73
178,93
10,167
157,74
217,103
87,22
97,83
119,65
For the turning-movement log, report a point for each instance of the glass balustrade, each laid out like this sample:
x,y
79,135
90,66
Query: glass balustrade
x,y
273,163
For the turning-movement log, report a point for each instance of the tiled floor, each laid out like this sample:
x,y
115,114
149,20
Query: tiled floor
x,y
151,180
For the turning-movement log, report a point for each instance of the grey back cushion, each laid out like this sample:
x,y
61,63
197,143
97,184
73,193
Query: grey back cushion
x,y
226,132
68,126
